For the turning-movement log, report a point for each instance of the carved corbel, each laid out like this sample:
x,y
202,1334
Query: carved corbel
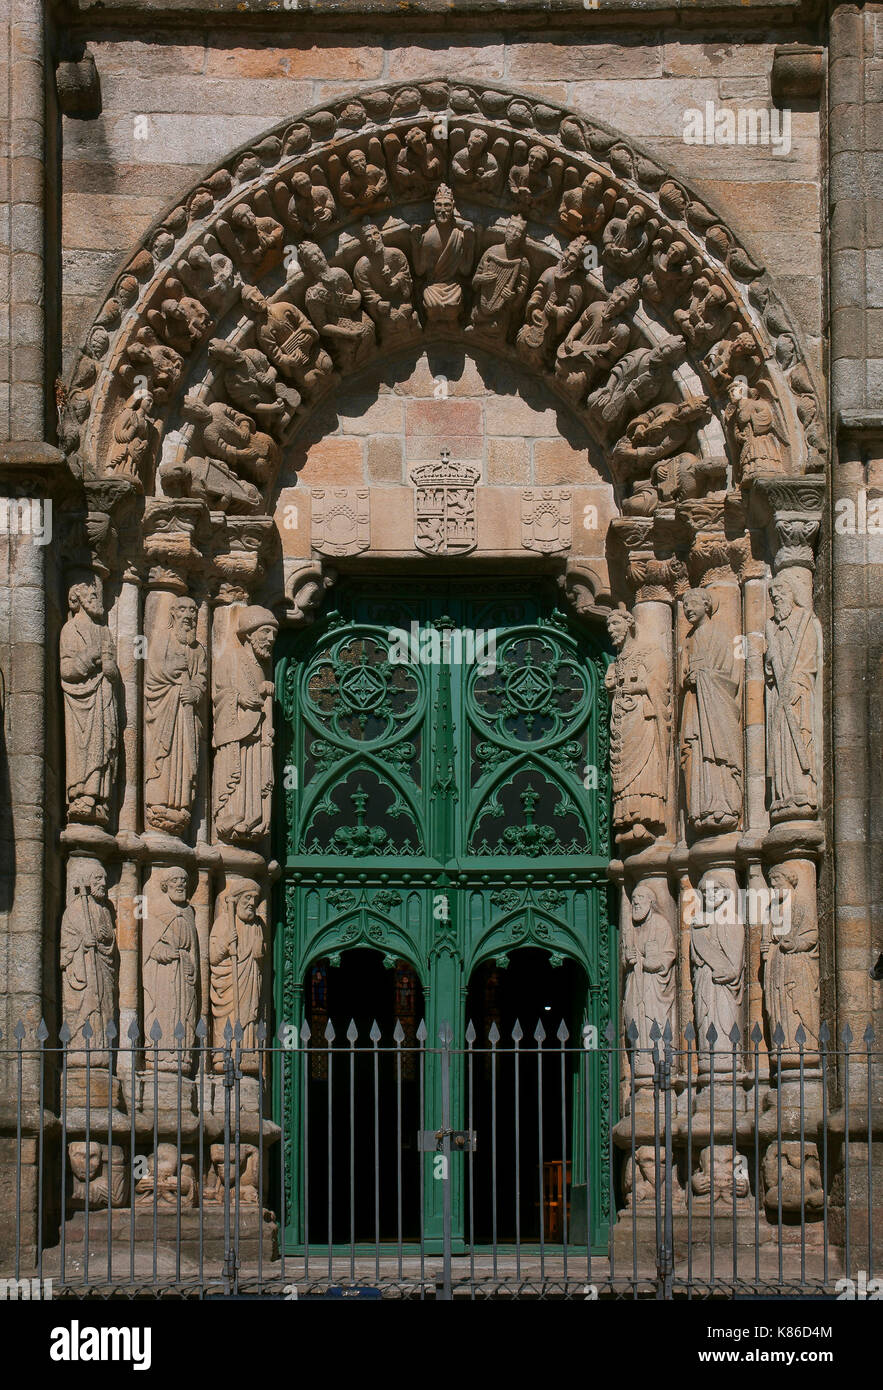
x,y
586,592
305,591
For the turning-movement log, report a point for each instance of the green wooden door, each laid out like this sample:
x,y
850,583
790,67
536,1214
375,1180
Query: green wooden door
x,y
445,801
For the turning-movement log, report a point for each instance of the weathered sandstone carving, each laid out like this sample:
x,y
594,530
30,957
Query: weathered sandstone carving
x,y
711,727
237,946
335,307
500,282
443,254
793,669
89,683
383,278
242,737
87,950
171,975
174,685
790,951
640,730
649,954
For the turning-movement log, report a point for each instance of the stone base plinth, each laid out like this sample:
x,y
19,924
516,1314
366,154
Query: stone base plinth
x,y
256,1231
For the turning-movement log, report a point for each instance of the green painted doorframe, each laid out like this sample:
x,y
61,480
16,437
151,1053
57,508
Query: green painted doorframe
x,y
442,754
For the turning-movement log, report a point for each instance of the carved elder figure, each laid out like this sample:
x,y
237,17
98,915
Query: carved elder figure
x,y
89,678
793,669
500,282
711,731
553,306
174,685
171,974
640,730
634,383
383,278
243,729
288,340
335,307
88,958
649,954
443,253
596,341
790,951
237,945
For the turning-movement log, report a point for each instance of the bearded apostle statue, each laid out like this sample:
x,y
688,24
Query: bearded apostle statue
x,y
171,973
789,948
711,728
237,945
649,954
717,954
443,254
640,730
793,670
174,685
88,961
89,682
243,728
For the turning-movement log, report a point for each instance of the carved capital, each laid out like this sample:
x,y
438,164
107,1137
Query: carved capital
x,y
655,580
170,541
791,510
240,554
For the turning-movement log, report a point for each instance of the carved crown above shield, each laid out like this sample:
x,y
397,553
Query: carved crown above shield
x,y
341,520
546,519
444,516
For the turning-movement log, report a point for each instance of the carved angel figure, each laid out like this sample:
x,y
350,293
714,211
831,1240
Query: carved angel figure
x,y
133,439
750,422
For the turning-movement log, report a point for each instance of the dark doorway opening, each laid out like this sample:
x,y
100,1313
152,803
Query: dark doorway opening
x,y
362,1101
523,1099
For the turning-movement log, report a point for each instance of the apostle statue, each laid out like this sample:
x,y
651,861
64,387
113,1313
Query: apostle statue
x,y
171,974
174,684
237,945
711,729
88,961
789,948
793,669
649,954
383,278
89,681
500,282
717,954
443,253
243,728
640,730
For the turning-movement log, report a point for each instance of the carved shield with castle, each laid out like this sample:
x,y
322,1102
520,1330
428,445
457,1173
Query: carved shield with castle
x,y
546,519
340,523
444,519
